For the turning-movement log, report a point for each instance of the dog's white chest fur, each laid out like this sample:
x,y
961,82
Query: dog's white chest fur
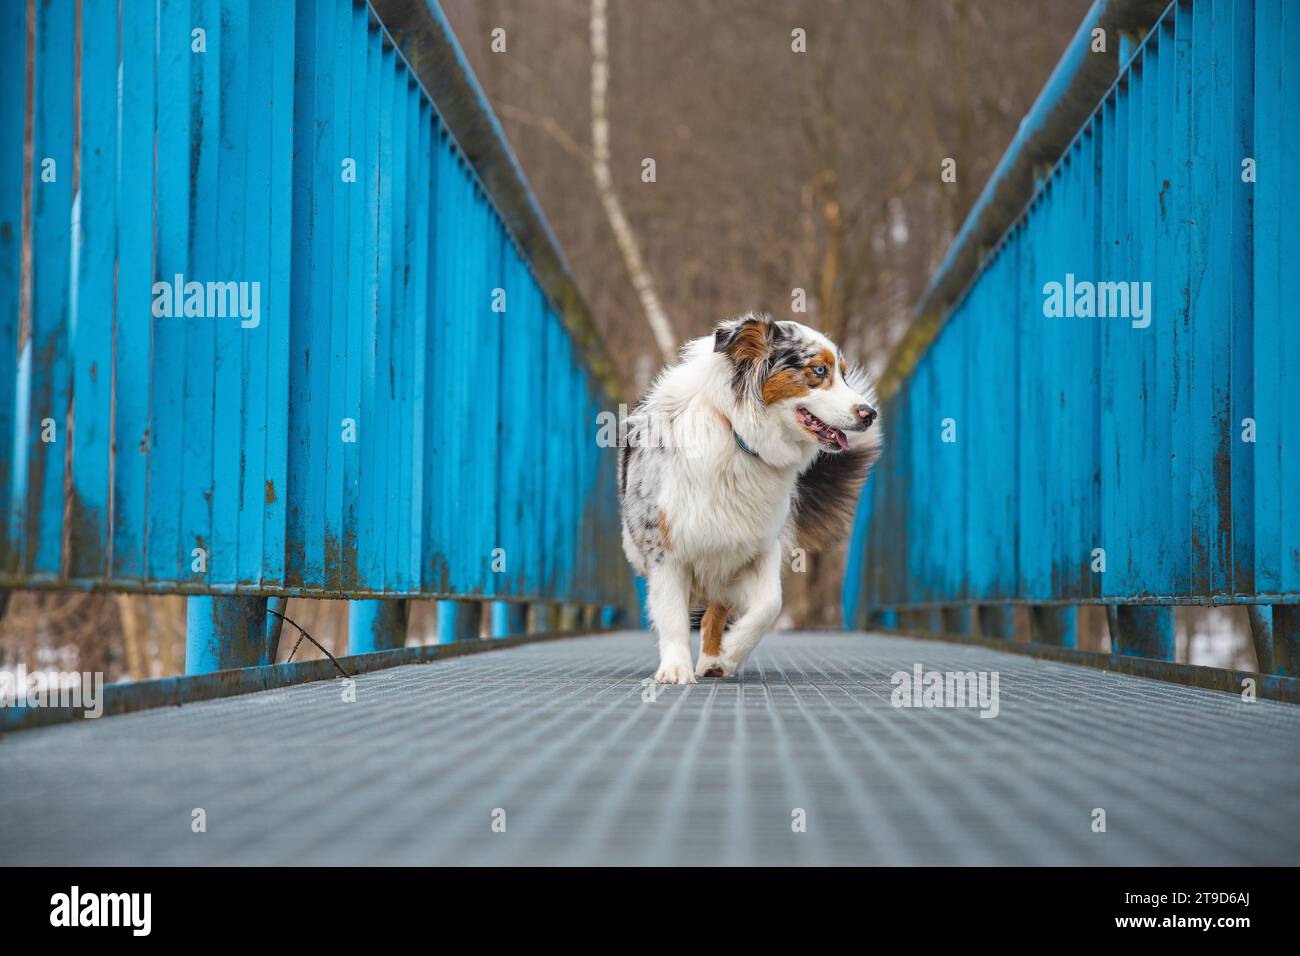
x,y
724,507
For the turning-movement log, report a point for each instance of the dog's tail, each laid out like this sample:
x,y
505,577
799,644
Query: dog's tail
x,y
826,494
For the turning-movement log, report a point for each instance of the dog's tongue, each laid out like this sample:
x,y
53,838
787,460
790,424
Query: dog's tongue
x,y
840,439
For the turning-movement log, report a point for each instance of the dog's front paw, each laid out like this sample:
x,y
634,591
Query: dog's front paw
x,y
720,666
710,666
675,672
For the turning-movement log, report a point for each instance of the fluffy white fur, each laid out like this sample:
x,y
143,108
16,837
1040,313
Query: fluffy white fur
x,y
728,513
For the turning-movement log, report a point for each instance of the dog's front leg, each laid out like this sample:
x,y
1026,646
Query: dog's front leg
x,y
758,592
668,599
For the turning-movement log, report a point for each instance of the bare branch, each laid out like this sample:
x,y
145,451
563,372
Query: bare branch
x,y
642,281
549,126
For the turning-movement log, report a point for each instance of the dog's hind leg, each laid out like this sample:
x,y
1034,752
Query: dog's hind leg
x,y
756,592
711,628
668,599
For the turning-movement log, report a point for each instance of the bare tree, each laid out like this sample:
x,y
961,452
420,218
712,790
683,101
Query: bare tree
x,y
642,281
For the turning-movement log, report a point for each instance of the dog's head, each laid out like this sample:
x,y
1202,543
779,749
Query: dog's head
x,y
797,381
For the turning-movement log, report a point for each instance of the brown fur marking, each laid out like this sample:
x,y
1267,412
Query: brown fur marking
x,y
751,342
663,532
711,625
787,383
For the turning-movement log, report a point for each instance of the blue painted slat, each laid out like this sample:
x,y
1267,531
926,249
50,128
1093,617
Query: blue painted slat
x,y
538,566
1276,286
464,353
1182,423
323,434
490,451
380,428
231,411
1208,372
422,199
13,92
42,377
1121,357
356,342
1151,450
168,560
1289,339
394,327
586,547
408,101
567,525
334,153
133,345
439,386
1239,102
1268,191
302,437
253,340
1168,510
1080,399
556,458
279,290
92,316
513,425
1033,328
197,450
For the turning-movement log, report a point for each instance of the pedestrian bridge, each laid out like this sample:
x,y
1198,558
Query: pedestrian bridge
x,y
337,164
559,753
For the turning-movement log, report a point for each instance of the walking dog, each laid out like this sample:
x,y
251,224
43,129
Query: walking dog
x,y
755,442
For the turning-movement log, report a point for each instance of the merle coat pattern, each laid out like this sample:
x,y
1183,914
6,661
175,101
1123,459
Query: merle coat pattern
x,y
756,441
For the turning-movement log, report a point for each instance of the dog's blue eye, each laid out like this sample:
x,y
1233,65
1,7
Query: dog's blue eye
x,y
819,370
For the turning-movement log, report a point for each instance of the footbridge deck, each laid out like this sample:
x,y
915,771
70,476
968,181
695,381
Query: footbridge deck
x,y
557,753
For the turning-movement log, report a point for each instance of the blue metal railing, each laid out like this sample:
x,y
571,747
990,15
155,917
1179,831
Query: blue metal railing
x,y
395,396
1045,456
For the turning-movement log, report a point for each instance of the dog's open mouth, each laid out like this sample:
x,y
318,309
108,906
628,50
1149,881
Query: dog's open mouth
x,y
828,436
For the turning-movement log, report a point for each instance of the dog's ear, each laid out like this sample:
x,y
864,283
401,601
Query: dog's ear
x,y
725,333
748,339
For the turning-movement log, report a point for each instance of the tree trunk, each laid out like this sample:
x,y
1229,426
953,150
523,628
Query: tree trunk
x,y
628,246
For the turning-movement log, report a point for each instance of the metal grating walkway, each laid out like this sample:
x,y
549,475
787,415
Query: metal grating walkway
x,y
558,736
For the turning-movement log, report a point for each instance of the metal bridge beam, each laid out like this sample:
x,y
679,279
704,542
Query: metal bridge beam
x,y
509,618
956,620
459,621
1261,635
997,620
1143,631
1286,640
885,619
227,632
1057,626
377,625
1275,632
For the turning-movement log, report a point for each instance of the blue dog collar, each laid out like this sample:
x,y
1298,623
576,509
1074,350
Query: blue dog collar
x,y
740,442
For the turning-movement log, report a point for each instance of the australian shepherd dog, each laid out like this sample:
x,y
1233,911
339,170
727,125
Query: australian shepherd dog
x,y
755,443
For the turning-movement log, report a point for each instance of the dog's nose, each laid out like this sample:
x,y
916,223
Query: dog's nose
x,y
866,413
